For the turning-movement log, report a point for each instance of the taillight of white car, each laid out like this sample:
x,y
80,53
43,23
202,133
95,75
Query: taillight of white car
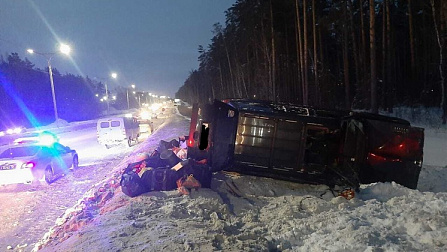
x,y
28,165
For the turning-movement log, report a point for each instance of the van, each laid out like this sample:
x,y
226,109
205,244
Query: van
x,y
305,144
116,130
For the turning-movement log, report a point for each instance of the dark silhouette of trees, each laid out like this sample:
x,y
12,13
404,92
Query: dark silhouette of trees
x,y
263,52
26,100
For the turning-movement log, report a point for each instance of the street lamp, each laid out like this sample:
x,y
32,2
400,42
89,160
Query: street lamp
x,y
127,94
106,97
65,49
114,76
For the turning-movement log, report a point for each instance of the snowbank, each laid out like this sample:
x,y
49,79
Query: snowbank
x,y
246,213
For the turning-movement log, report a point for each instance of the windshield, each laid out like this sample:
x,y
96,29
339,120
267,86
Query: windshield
x,y
23,151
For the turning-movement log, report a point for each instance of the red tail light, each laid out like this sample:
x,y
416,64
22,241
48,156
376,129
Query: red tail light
x,y
398,147
191,143
28,165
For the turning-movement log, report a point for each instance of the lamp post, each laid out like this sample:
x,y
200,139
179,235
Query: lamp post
x,y
114,76
127,94
139,98
65,49
106,97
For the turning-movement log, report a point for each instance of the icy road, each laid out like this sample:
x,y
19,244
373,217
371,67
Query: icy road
x,y
27,212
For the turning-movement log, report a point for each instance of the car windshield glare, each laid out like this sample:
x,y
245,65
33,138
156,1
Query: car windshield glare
x,y
22,151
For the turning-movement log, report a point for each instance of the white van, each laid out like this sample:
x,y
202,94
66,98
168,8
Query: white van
x,y
112,131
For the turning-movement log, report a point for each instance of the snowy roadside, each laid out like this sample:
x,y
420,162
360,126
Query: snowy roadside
x,y
246,213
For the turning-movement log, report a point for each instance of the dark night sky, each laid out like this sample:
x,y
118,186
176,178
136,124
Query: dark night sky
x,y
152,43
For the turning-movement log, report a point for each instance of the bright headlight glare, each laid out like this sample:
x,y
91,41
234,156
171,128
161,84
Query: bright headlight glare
x,y
47,138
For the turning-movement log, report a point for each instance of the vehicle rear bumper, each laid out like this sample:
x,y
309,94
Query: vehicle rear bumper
x,y
15,176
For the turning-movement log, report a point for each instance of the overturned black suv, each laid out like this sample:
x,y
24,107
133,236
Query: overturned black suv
x,y
306,144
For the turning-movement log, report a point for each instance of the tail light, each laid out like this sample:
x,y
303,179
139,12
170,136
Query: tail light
x,y
28,165
191,143
399,147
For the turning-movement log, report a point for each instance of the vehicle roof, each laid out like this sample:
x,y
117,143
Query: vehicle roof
x,y
119,118
291,110
284,109
13,146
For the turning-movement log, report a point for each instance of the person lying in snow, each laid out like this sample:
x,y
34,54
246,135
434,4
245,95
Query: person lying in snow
x,y
164,170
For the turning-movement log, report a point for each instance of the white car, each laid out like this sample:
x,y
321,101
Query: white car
x,y
28,162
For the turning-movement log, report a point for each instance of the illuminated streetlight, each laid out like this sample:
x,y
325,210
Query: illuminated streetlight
x,y
64,49
114,76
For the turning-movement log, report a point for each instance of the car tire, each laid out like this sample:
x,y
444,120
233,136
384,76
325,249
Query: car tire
x,y
49,175
75,164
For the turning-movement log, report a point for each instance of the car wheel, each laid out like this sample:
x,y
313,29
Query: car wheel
x,y
49,175
75,164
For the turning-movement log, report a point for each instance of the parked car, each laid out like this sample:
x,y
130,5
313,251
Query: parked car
x,y
28,162
306,144
116,130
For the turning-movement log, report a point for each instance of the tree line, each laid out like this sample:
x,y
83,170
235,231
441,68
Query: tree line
x,y
26,99
349,54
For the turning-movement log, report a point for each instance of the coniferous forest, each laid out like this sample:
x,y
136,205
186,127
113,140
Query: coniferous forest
x,y
348,54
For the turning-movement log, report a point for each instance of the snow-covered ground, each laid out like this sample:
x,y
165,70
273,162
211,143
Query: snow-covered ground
x,y
245,213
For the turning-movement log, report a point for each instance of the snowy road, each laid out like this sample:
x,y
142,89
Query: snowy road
x,y
26,211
